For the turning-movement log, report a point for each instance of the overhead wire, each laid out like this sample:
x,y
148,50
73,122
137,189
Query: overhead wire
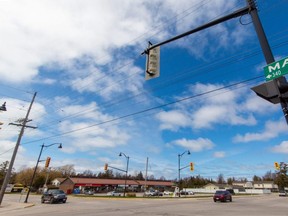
x,y
149,109
204,69
160,27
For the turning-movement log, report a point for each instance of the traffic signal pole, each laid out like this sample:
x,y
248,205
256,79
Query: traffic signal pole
x,y
265,90
235,14
266,50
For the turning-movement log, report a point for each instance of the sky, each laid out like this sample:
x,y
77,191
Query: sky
x,y
84,59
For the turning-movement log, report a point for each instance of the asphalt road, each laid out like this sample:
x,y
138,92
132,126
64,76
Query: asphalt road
x,y
75,206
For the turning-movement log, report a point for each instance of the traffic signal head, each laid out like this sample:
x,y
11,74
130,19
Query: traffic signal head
x,y
47,162
106,167
273,91
276,165
153,63
191,166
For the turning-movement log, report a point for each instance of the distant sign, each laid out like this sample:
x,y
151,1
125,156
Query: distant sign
x,y
276,69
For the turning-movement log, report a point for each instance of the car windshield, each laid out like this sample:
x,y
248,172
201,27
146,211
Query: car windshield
x,y
56,191
220,192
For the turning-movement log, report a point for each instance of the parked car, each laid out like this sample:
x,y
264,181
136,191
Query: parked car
x,y
153,193
113,193
167,193
283,193
157,193
53,196
184,192
223,196
89,192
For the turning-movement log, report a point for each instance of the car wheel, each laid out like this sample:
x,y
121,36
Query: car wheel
x,y
51,201
231,199
64,201
214,200
42,200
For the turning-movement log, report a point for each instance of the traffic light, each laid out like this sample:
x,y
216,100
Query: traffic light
x,y
106,167
273,91
191,166
276,165
47,162
152,63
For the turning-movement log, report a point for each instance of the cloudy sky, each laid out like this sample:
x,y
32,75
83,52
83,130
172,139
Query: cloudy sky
x,y
83,58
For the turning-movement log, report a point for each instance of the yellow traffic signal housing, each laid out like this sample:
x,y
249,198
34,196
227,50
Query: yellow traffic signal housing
x,y
191,166
106,167
276,165
47,162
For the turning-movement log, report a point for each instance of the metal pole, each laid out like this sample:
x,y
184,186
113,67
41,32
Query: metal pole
x,y
266,49
235,14
34,173
146,174
8,174
127,157
47,177
179,175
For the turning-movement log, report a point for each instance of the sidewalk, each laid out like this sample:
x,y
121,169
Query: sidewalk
x,y
15,202
9,205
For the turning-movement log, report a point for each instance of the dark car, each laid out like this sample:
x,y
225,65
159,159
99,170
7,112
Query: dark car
x,y
222,196
231,191
54,196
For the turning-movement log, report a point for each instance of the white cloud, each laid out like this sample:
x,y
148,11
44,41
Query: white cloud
x,y
219,154
217,108
281,148
37,33
87,135
271,130
197,145
172,119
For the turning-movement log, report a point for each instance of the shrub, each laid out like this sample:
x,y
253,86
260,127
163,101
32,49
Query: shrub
x,y
131,194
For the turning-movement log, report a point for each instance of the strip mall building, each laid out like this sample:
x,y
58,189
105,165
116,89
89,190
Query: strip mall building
x,y
70,185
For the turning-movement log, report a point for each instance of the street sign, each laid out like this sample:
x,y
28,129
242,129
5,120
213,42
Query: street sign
x,y
276,69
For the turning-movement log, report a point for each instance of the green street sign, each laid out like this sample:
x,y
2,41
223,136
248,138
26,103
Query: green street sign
x,y
276,69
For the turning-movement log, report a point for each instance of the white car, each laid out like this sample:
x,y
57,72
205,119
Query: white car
x,y
113,193
282,193
167,193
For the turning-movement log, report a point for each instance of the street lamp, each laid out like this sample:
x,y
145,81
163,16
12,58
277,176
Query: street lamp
x,y
3,107
179,169
34,173
127,158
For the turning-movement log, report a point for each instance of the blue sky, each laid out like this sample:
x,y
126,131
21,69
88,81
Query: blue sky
x,y
83,58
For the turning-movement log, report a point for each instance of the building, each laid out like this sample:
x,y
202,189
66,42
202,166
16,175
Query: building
x,y
215,186
257,185
71,185
56,182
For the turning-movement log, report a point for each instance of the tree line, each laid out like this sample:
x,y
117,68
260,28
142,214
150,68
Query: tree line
x,y
46,175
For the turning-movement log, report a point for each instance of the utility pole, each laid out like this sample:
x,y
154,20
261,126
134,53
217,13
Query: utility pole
x,y
8,174
146,174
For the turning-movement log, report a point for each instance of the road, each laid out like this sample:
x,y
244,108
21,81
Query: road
x,y
241,205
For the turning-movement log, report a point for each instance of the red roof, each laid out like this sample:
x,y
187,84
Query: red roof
x,y
97,181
